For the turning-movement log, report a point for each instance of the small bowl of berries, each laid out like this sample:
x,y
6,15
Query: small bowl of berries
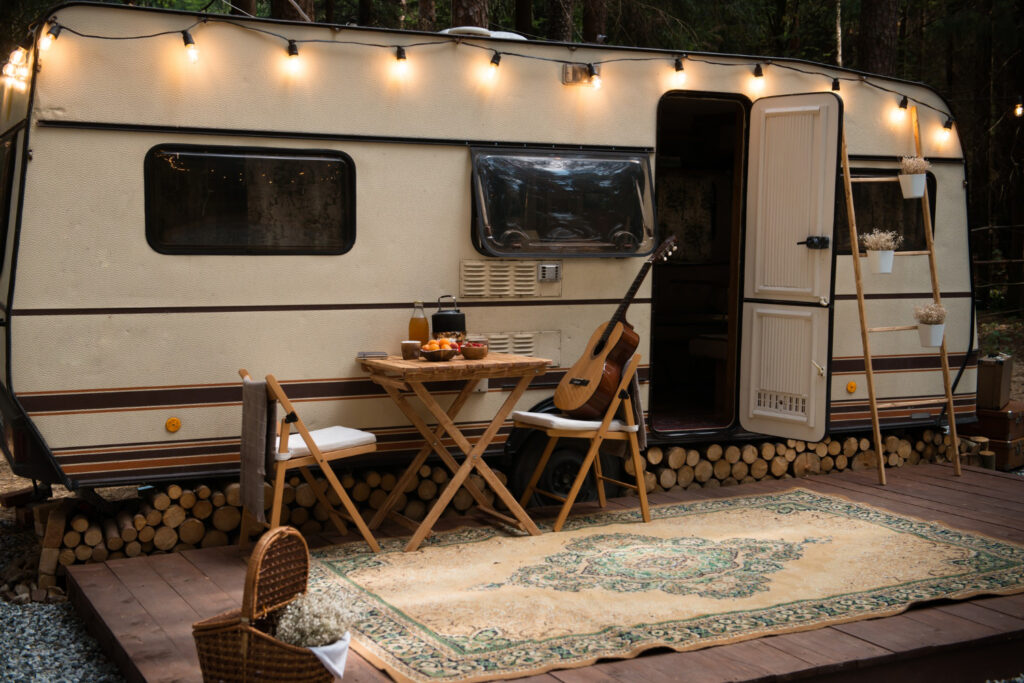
x,y
474,349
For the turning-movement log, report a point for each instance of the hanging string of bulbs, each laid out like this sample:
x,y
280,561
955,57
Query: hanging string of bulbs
x,y
15,71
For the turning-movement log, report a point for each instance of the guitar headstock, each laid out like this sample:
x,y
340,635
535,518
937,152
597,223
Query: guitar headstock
x,y
665,250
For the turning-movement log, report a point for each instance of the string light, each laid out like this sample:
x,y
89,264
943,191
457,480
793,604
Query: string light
x,y
492,69
190,46
679,77
757,82
1018,110
946,131
401,67
899,113
51,35
589,73
294,63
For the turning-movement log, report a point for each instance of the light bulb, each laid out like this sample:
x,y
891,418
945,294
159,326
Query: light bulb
x,y
21,73
1018,110
899,112
294,63
492,68
679,77
18,56
190,47
401,66
51,35
9,70
595,77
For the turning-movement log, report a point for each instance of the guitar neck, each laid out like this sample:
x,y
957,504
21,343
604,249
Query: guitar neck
x,y
620,312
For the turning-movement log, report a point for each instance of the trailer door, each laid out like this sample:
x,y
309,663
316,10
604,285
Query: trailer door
x,y
787,307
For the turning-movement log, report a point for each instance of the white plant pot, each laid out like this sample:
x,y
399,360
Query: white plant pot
x,y
931,335
881,261
912,185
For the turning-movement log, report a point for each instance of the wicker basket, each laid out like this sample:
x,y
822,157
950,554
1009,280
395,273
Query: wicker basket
x,y
235,646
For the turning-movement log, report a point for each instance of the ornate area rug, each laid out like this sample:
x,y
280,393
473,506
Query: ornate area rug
x,y
478,604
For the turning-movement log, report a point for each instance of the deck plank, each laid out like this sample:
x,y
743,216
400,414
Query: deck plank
x,y
153,657
936,638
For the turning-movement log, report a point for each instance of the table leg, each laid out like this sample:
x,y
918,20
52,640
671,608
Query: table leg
x,y
474,459
431,436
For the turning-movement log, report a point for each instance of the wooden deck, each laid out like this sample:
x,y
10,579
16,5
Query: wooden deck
x,y
142,609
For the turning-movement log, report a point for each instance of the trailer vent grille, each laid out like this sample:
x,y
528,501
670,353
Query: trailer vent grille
x,y
506,278
519,343
776,401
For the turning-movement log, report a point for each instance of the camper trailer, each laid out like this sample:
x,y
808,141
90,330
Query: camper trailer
x,y
183,195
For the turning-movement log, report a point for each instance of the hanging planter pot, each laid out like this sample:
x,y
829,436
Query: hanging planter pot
x,y
880,261
931,335
912,185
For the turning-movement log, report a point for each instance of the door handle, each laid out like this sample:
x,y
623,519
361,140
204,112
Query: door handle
x,y
816,242
821,370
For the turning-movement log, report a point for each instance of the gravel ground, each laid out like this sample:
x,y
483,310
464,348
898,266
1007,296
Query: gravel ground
x,y
43,642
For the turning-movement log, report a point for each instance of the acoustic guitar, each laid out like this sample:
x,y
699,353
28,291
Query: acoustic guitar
x,y
588,388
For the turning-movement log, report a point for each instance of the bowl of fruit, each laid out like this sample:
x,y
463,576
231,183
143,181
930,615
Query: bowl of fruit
x,y
474,350
437,350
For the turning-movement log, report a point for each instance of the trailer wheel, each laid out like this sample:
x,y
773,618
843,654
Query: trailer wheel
x,y
561,469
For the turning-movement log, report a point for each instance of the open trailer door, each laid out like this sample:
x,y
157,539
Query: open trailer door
x,y
787,307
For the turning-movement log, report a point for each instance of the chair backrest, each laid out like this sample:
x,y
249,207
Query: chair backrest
x,y
290,417
278,571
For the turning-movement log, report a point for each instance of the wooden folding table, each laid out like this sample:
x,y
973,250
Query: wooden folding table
x,y
402,379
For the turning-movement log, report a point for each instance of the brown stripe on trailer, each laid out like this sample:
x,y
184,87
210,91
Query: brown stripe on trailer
x,y
901,295
845,365
853,405
196,396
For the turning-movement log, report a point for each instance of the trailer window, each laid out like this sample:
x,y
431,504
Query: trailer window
x,y
881,205
229,200
533,203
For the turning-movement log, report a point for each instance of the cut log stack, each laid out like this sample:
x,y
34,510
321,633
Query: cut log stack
x,y
172,518
668,468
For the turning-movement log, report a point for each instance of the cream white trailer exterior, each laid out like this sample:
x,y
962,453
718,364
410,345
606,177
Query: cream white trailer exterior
x,y
116,323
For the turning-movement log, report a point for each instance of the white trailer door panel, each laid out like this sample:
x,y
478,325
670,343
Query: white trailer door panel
x,y
791,181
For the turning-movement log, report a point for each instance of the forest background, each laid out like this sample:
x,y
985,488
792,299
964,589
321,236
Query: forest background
x,y
970,51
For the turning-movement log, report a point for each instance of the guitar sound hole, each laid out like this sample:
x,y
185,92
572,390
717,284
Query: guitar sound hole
x,y
598,348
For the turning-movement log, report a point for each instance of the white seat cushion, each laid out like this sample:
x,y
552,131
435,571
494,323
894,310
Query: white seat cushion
x,y
549,421
327,439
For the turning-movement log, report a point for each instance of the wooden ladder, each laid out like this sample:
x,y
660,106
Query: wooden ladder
x,y
865,330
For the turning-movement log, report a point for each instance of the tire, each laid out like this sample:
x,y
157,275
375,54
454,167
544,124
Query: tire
x,y
561,469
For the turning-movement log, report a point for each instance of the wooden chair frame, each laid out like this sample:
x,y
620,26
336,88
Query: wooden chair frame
x,y
591,459
316,458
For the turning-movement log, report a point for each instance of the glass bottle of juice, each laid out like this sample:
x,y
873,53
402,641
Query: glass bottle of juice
x,y
419,328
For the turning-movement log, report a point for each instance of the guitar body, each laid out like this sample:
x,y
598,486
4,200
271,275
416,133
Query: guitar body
x,y
588,387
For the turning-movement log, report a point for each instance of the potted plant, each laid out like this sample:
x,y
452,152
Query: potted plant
x,y
931,323
320,622
912,176
881,246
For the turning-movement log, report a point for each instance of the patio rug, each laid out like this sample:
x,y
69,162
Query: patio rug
x,y
479,604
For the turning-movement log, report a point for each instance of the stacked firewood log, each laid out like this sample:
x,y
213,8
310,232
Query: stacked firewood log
x,y
714,465
172,517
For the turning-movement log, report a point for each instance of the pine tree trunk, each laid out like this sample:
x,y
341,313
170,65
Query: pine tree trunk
x,y
560,20
595,19
877,41
469,13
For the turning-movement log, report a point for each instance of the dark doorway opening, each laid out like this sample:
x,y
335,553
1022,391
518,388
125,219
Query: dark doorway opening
x,y
695,295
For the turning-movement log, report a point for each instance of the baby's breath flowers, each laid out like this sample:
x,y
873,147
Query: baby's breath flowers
x,y
913,165
932,314
881,240
314,620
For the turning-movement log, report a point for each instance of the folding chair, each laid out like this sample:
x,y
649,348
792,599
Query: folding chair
x,y
305,449
609,428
